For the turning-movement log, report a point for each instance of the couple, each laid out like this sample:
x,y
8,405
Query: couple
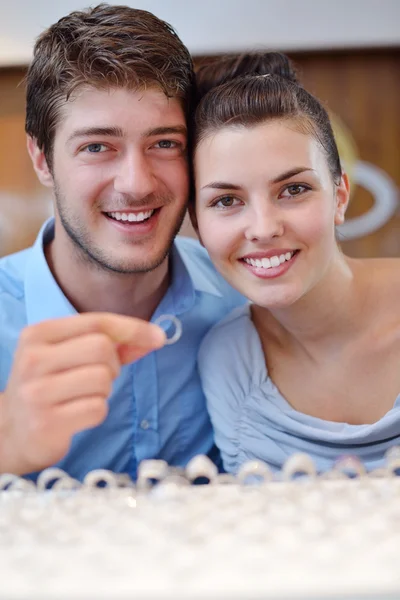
x,y
87,381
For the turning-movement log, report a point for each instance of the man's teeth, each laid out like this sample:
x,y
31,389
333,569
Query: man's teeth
x,y
267,263
136,217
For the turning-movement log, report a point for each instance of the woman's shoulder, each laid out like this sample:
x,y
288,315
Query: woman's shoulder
x,y
379,293
382,276
232,345
378,276
385,267
239,318
227,332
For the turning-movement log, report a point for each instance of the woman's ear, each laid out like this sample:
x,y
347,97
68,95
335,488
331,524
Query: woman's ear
x,y
342,199
39,162
193,218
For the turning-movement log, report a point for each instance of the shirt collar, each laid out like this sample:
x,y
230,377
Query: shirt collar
x,y
188,279
46,300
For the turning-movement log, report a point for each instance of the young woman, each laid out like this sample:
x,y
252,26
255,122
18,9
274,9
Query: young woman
x,y
311,364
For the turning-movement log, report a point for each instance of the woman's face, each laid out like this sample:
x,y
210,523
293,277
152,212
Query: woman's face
x,y
266,210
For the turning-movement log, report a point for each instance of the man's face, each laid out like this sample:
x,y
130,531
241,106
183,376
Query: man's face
x,y
120,178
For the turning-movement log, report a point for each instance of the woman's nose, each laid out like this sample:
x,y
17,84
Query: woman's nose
x,y
265,222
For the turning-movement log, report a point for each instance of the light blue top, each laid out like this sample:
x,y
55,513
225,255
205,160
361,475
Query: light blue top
x,y
252,420
157,408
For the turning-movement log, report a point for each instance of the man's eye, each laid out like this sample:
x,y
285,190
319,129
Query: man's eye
x,y
95,148
166,144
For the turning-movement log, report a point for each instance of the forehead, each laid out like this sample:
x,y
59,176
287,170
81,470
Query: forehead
x,y
272,146
133,111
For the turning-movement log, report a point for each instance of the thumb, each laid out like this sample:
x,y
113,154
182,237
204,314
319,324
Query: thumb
x,y
129,353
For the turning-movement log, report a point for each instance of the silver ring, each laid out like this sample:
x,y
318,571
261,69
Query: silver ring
x,y
52,474
350,466
201,466
178,327
300,463
254,471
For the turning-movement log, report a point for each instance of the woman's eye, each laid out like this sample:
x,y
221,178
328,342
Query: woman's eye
x,y
225,202
295,189
95,148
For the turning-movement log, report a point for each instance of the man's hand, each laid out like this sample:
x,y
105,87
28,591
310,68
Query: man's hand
x,y
60,382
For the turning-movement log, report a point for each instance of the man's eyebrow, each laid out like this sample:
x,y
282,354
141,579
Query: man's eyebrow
x,y
290,173
172,129
96,131
118,132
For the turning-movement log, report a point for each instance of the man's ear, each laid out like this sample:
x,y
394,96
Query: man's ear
x,y
193,218
342,199
39,162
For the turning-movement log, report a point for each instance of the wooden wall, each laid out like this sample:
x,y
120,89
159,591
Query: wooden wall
x,y
361,89
24,203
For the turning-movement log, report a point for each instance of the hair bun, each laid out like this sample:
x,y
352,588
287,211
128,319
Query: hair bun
x,y
216,71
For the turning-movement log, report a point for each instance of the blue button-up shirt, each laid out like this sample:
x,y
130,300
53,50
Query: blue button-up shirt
x,y
157,408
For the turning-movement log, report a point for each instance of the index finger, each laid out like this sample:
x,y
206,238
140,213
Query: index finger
x,y
119,328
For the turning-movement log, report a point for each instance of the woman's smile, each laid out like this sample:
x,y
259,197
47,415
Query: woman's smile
x,y
266,210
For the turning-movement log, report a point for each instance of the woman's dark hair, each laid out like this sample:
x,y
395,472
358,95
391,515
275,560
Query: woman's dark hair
x,y
256,87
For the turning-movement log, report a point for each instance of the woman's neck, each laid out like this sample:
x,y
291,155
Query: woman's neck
x,y
324,318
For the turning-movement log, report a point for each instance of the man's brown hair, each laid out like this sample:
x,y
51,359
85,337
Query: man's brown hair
x,y
105,46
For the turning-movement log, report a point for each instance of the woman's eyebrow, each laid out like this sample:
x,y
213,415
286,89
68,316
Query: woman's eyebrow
x,y
224,185
221,185
290,173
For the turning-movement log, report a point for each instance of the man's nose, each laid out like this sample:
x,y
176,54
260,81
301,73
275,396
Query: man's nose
x,y
135,176
264,221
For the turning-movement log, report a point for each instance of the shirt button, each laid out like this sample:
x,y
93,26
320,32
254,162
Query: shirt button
x,y
144,424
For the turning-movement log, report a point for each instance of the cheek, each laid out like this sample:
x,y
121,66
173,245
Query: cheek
x,y
216,236
316,225
83,189
175,176
205,229
82,180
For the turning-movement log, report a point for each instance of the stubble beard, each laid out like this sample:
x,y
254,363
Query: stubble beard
x,y
94,257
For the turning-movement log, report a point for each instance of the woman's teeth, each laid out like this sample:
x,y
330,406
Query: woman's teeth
x,y
267,263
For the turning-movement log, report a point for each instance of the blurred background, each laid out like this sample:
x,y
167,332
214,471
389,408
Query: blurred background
x,y
347,53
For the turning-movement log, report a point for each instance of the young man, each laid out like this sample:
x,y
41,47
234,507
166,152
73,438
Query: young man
x,y
108,94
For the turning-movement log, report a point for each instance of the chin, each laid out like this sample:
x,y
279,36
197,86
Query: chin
x,y
275,301
136,267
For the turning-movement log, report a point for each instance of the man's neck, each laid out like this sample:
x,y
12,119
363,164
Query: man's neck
x,y
98,290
